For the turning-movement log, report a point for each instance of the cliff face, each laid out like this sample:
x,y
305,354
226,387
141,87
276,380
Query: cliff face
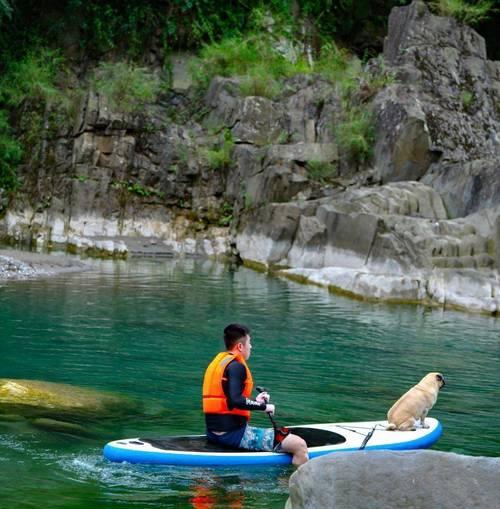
x,y
420,221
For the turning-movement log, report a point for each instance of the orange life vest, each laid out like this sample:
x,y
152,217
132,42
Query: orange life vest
x,y
214,399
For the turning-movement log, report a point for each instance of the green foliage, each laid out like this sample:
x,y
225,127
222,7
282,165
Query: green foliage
x,y
253,57
137,188
10,155
247,200
337,65
356,134
259,84
467,99
35,87
220,157
463,11
5,10
127,87
32,78
106,25
226,214
320,171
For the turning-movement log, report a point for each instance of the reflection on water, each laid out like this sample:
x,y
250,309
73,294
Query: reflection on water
x,y
147,330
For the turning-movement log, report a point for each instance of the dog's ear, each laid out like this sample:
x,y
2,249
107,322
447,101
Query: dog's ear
x,y
440,379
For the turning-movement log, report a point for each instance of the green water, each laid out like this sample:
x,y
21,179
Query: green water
x,y
147,330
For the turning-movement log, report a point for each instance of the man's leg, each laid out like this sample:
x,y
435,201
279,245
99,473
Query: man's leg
x,y
296,446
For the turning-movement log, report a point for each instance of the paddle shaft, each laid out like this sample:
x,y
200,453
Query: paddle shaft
x,y
273,422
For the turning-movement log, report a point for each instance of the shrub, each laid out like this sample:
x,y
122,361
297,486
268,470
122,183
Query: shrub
x,y
467,99
320,170
220,158
33,78
253,57
259,84
356,134
127,87
226,214
10,156
470,14
34,86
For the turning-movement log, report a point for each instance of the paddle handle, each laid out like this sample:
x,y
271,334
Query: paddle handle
x,y
273,422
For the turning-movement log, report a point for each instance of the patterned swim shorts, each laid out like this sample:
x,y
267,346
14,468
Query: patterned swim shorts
x,y
258,439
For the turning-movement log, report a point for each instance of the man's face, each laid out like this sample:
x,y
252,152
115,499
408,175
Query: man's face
x,y
245,347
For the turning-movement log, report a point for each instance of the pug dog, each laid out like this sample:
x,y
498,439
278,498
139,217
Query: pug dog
x,y
415,404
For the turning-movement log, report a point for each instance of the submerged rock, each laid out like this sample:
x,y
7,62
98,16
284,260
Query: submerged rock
x,y
393,479
60,426
47,399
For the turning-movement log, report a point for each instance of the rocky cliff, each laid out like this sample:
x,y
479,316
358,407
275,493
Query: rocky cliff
x,y
419,221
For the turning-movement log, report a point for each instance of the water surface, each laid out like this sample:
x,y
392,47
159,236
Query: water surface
x,y
147,329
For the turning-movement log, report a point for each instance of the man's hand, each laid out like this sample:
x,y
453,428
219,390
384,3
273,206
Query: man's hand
x,y
270,409
263,397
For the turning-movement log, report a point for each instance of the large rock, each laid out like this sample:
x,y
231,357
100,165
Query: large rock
x,y
268,234
311,108
404,149
391,480
258,121
467,187
39,398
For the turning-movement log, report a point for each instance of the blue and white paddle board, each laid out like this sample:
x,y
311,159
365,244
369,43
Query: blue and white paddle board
x,y
194,450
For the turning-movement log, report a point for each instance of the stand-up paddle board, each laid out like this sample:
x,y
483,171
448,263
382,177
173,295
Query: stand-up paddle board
x,y
195,450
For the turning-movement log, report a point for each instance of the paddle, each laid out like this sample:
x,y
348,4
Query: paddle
x,y
280,431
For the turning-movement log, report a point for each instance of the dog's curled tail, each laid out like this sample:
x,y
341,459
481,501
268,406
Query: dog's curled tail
x,y
391,427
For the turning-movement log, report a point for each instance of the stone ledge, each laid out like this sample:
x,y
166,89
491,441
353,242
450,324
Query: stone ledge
x,y
462,289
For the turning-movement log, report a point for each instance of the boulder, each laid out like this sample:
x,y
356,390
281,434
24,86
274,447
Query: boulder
x,y
36,398
310,109
403,148
395,479
268,232
466,187
55,425
259,121
180,77
223,100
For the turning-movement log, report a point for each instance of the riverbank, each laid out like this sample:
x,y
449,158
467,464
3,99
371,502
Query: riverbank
x,y
28,265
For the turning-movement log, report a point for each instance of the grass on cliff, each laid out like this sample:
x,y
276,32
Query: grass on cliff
x,y
265,58
10,155
219,157
251,58
127,87
463,11
28,90
32,79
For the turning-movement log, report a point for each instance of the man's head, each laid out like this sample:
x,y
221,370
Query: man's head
x,y
237,339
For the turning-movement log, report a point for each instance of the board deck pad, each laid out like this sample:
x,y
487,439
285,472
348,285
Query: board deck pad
x,y
313,438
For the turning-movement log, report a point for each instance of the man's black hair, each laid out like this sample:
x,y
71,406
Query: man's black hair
x,y
233,333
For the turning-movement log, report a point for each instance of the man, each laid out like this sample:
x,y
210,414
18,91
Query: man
x,y
227,402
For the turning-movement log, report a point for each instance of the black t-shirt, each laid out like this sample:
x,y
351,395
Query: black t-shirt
x,y
235,375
